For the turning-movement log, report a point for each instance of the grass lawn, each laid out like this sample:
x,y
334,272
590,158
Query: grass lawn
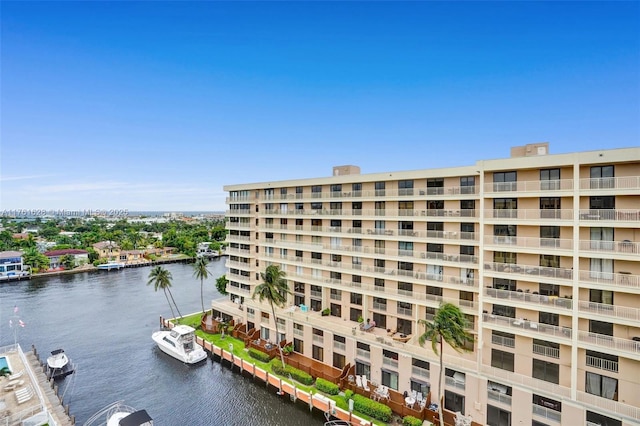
x,y
239,351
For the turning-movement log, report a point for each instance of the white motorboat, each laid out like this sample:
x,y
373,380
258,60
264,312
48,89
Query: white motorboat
x,y
58,365
179,342
119,414
111,265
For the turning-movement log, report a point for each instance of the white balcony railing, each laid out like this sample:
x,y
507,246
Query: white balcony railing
x,y
601,363
547,413
607,183
530,270
420,372
621,312
546,351
528,242
610,279
529,214
536,299
624,215
610,342
508,342
529,326
530,186
499,397
618,247
630,411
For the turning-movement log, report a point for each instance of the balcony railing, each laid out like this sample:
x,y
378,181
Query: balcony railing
x,y
500,397
610,278
622,312
621,409
529,242
601,363
530,270
529,214
402,192
505,376
508,342
546,351
628,215
530,186
379,306
318,339
529,326
361,353
537,299
547,413
626,182
339,345
600,246
390,362
455,383
610,342
420,372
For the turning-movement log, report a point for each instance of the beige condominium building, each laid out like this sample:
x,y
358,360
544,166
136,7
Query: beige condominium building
x,y
540,251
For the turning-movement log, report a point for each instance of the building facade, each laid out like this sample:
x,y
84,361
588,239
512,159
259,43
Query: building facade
x,y
541,252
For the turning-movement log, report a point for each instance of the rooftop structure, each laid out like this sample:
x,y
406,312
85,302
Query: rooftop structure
x,y
540,251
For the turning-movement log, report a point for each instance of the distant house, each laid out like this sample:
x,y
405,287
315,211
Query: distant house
x,y
109,250
80,257
20,236
132,256
11,264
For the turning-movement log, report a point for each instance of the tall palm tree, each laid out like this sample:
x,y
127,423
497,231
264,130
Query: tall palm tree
x,y
273,289
449,325
161,279
201,272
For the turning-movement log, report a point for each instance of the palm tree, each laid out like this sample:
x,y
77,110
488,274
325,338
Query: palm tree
x,y
274,289
5,372
161,279
449,325
201,272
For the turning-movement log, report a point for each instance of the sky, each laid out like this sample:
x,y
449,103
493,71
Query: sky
x,y
157,105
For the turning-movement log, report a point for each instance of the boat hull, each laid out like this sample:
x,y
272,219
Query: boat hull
x,y
193,357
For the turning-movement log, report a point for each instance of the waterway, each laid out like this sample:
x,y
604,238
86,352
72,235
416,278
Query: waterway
x,y
104,320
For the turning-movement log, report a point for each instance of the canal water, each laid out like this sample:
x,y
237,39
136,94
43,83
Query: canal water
x,y
104,320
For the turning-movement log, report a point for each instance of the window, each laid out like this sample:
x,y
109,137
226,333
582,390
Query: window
x,y
602,203
380,319
467,185
390,379
453,402
549,261
502,360
602,177
504,311
549,236
316,189
601,327
547,371
356,298
497,416
467,205
505,181
505,234
336,310
378,284
405,289
435,291
435,186
505,208
549,289
435,205
317,353
405,248
339,360
355,314
600,420
298,346
380,186
505,257
404,326
363,369
420,387
357,189
549,318
549,403
549,179
604,297
336,188
550,208
405,187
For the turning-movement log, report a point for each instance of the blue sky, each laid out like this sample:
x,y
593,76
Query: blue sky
x,y
157,105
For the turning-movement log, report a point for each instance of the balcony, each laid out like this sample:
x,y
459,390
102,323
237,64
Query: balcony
x,y
621,409
420,372
531,327
532,186
546,351
528,242
526,381
500,397
339,345
609,183
529,298
619,345
547,413
508,342
523,215
611,281
611,215
361,353
530,272
601,363
390,362
610,311
613,247
455,382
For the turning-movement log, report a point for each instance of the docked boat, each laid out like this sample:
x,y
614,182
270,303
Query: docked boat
x,y
111,265
58,364
179,342
119,414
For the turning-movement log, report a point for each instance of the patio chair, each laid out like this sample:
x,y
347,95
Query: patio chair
x,y
16,375
358,381
365,386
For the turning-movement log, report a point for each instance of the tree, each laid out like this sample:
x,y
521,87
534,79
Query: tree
x,y
68,261
202,273
5,372
221,285
449,325
32,257
161,279
274,289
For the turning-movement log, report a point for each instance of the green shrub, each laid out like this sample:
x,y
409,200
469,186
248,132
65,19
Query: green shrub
x,y
372,408
348,394
259,355
411,421
327,387
297,375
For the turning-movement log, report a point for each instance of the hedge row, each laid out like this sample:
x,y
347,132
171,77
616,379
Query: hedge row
x,y
411,421
259,355
371,408
297,375
327,387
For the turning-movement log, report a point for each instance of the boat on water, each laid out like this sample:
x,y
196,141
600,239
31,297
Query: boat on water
x,y
111,265
179,342
120,414
58,364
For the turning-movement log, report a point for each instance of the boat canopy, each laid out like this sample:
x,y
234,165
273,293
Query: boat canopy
x,y
136,419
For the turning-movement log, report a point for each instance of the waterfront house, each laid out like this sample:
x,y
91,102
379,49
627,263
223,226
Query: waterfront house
x,y
80,257
11,264
132,257
109,250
